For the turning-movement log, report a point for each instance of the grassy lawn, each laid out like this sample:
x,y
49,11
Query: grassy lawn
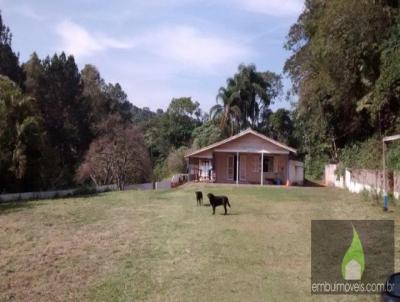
x,y
159,246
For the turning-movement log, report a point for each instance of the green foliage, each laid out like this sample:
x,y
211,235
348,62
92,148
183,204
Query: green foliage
x,y
344,70
206,134
172,129
9,62
21,137
160,170
279,126
245,99
85,190
393,156
362,155
314,165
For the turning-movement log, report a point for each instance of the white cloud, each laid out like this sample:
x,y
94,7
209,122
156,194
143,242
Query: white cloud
x,y
194,49
78,41
276,8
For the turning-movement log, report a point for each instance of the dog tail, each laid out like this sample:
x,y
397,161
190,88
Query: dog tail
x,y
227,201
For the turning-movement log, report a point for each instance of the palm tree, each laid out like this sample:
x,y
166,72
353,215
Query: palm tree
x,y
227,114
256,92
246,97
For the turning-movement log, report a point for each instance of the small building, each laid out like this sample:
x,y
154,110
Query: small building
x,y
246,158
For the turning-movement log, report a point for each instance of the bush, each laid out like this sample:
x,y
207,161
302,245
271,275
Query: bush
x,y
85,190
393,156
361,155
176,161
314,165
365,195
160,171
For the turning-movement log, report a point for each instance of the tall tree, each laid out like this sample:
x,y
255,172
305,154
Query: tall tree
x,y
335,64
246,97
227,114
65,114
21,139
9,61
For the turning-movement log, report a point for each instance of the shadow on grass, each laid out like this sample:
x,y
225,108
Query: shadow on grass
x,y
18,205
229,214
312,184
15,206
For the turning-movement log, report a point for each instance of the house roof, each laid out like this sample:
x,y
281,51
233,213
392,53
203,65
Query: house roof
x,y
234,137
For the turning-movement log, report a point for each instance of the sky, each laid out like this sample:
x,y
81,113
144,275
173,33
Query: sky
x,y
158,49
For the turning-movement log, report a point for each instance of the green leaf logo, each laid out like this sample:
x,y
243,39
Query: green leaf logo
x,y
353,263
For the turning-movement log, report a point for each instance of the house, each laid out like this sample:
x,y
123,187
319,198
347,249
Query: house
x,y
246,158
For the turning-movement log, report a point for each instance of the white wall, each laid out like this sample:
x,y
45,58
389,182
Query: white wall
x,y
65,193
296,172
359,180
331,179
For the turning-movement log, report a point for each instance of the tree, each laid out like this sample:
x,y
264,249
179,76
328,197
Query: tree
x,y
181,121
117,157
65,116
337,62
9,61
33,70
206,134
118,101
176,160
21,139
227,115
280,126
245,98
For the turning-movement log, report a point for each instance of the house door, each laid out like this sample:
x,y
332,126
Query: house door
x,y
243,166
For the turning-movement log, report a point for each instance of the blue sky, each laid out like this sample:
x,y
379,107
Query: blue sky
x,y
158,49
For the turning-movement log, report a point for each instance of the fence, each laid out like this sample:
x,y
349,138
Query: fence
x,y
358,180
70,192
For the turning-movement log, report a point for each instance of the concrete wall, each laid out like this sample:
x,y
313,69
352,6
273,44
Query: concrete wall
x,y
66,193
331,179
396,184
296,172
358,180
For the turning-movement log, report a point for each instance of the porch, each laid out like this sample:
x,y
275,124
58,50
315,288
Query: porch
x,y
245,158
240,167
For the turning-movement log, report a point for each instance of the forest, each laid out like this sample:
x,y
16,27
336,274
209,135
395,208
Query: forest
x,y
61,127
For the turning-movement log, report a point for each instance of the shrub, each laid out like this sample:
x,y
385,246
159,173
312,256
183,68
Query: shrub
x,y
85,190
176,161
314,165
365,195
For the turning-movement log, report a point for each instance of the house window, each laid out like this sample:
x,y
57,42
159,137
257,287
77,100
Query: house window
x,y
268,164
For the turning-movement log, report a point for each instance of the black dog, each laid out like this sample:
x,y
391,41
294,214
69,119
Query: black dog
x,y
199,198
216,201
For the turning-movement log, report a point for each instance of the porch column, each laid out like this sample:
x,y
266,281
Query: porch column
x,y
262,168
287,172
237,168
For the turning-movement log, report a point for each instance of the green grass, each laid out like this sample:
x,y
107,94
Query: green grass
x,y
159,246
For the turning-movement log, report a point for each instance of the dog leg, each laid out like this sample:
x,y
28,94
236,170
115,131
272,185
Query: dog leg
x,y
213,210
225,209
